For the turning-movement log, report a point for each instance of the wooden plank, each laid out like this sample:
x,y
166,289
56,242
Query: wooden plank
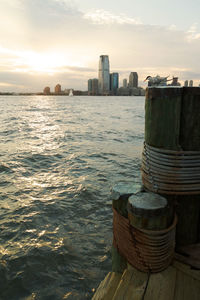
x,y
186,287
190,255
161,286
132,285
107,287
195,274
177,282
119,263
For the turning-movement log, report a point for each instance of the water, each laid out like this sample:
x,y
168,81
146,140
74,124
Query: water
x,y
59,158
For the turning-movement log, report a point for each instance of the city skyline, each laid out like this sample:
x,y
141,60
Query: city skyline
x,y
107,83
44,42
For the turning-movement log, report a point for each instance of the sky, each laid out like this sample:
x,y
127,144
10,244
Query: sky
x,y
45,42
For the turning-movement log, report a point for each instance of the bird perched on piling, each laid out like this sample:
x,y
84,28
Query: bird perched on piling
x,y
157,80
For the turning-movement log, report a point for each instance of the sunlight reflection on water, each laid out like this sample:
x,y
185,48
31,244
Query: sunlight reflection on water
x,y
60,156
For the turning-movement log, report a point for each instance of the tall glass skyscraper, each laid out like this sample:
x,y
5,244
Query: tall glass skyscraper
x,y
114,83
104,75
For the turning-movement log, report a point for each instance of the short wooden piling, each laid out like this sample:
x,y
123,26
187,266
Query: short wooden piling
x,y
148,211
120,194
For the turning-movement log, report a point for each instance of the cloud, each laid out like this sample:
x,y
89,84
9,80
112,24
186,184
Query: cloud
x,y
192,33
45,12
101,16
172,27
51,41
77,69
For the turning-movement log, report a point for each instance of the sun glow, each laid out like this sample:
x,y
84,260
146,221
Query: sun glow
x,y
32,62
46,62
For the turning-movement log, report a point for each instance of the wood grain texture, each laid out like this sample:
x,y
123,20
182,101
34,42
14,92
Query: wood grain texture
x,y
107,287
132,285
172,121
177,282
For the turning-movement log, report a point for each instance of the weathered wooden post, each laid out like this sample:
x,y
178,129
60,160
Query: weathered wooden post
x,y
148,211
120,194
171,157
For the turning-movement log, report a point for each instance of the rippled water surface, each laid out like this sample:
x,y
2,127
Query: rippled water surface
x,y
59,158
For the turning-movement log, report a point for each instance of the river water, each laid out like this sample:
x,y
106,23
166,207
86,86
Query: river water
x,y
59,158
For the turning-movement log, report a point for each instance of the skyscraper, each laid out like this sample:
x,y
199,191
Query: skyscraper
x,y
133,80
93,87
89,86
125,83
104,75
114,83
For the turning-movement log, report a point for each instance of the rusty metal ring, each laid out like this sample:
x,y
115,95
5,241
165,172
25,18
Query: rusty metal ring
x,y
171,172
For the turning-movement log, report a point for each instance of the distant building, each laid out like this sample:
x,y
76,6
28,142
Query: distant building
x,y
58,89
133,91
191,83
133,80
125,84
89,86
46,90
66,91
104,75
130,91
114,83
123,91
186,83
93,86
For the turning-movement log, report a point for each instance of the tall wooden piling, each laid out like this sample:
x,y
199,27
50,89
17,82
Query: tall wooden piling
x,y
172,122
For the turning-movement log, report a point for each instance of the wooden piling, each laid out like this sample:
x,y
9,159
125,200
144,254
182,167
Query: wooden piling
x,y
172,122
148,211
120,194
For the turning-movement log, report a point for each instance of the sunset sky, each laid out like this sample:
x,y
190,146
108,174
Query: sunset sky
x,y
45,42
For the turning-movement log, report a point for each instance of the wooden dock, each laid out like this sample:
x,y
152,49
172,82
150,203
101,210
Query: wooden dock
x,y
178,282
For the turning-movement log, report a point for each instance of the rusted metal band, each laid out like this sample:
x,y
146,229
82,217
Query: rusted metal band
x,y
173,152
146,250
171,172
